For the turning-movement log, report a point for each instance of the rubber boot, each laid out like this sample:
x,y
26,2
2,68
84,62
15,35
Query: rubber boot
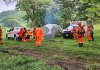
x,y
79,44
82,44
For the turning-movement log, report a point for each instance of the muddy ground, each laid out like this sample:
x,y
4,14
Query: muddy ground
x,y
69,64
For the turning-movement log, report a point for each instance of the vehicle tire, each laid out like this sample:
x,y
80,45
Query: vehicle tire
x,y
7,37
64,35
71,35
15,38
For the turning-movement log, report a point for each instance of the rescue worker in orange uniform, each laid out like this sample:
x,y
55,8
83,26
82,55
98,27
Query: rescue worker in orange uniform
x,y
34,32
39,36
88,33
80,33
27,35
0,35
21,34
74,32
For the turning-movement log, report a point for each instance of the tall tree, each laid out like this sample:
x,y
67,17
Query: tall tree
x,y
35,9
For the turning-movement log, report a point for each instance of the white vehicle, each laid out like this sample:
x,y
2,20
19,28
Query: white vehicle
x,y
13,33
67,32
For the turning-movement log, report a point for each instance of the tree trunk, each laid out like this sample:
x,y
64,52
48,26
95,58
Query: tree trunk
x,y
33,24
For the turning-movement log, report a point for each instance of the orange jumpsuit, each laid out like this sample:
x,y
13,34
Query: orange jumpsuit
x,y
0,36
74,31
34,32
21,34
88,32
81,32
39,36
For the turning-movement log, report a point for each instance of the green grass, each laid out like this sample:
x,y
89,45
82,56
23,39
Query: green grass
x,y
24,63
67,50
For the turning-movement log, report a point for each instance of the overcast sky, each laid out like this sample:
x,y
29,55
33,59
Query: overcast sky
x,y
4,7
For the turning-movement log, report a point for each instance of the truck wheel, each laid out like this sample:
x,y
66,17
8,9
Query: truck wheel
x,y
15,38
64,35
7,37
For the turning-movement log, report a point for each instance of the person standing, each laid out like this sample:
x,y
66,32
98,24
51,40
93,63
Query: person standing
x,y
39,36
80,33
0,35
21,34
88,33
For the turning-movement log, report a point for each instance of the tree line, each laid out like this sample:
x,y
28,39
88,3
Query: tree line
x,y
69,10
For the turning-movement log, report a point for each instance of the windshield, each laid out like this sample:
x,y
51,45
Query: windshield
x,y
70,28
75,26
17,28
